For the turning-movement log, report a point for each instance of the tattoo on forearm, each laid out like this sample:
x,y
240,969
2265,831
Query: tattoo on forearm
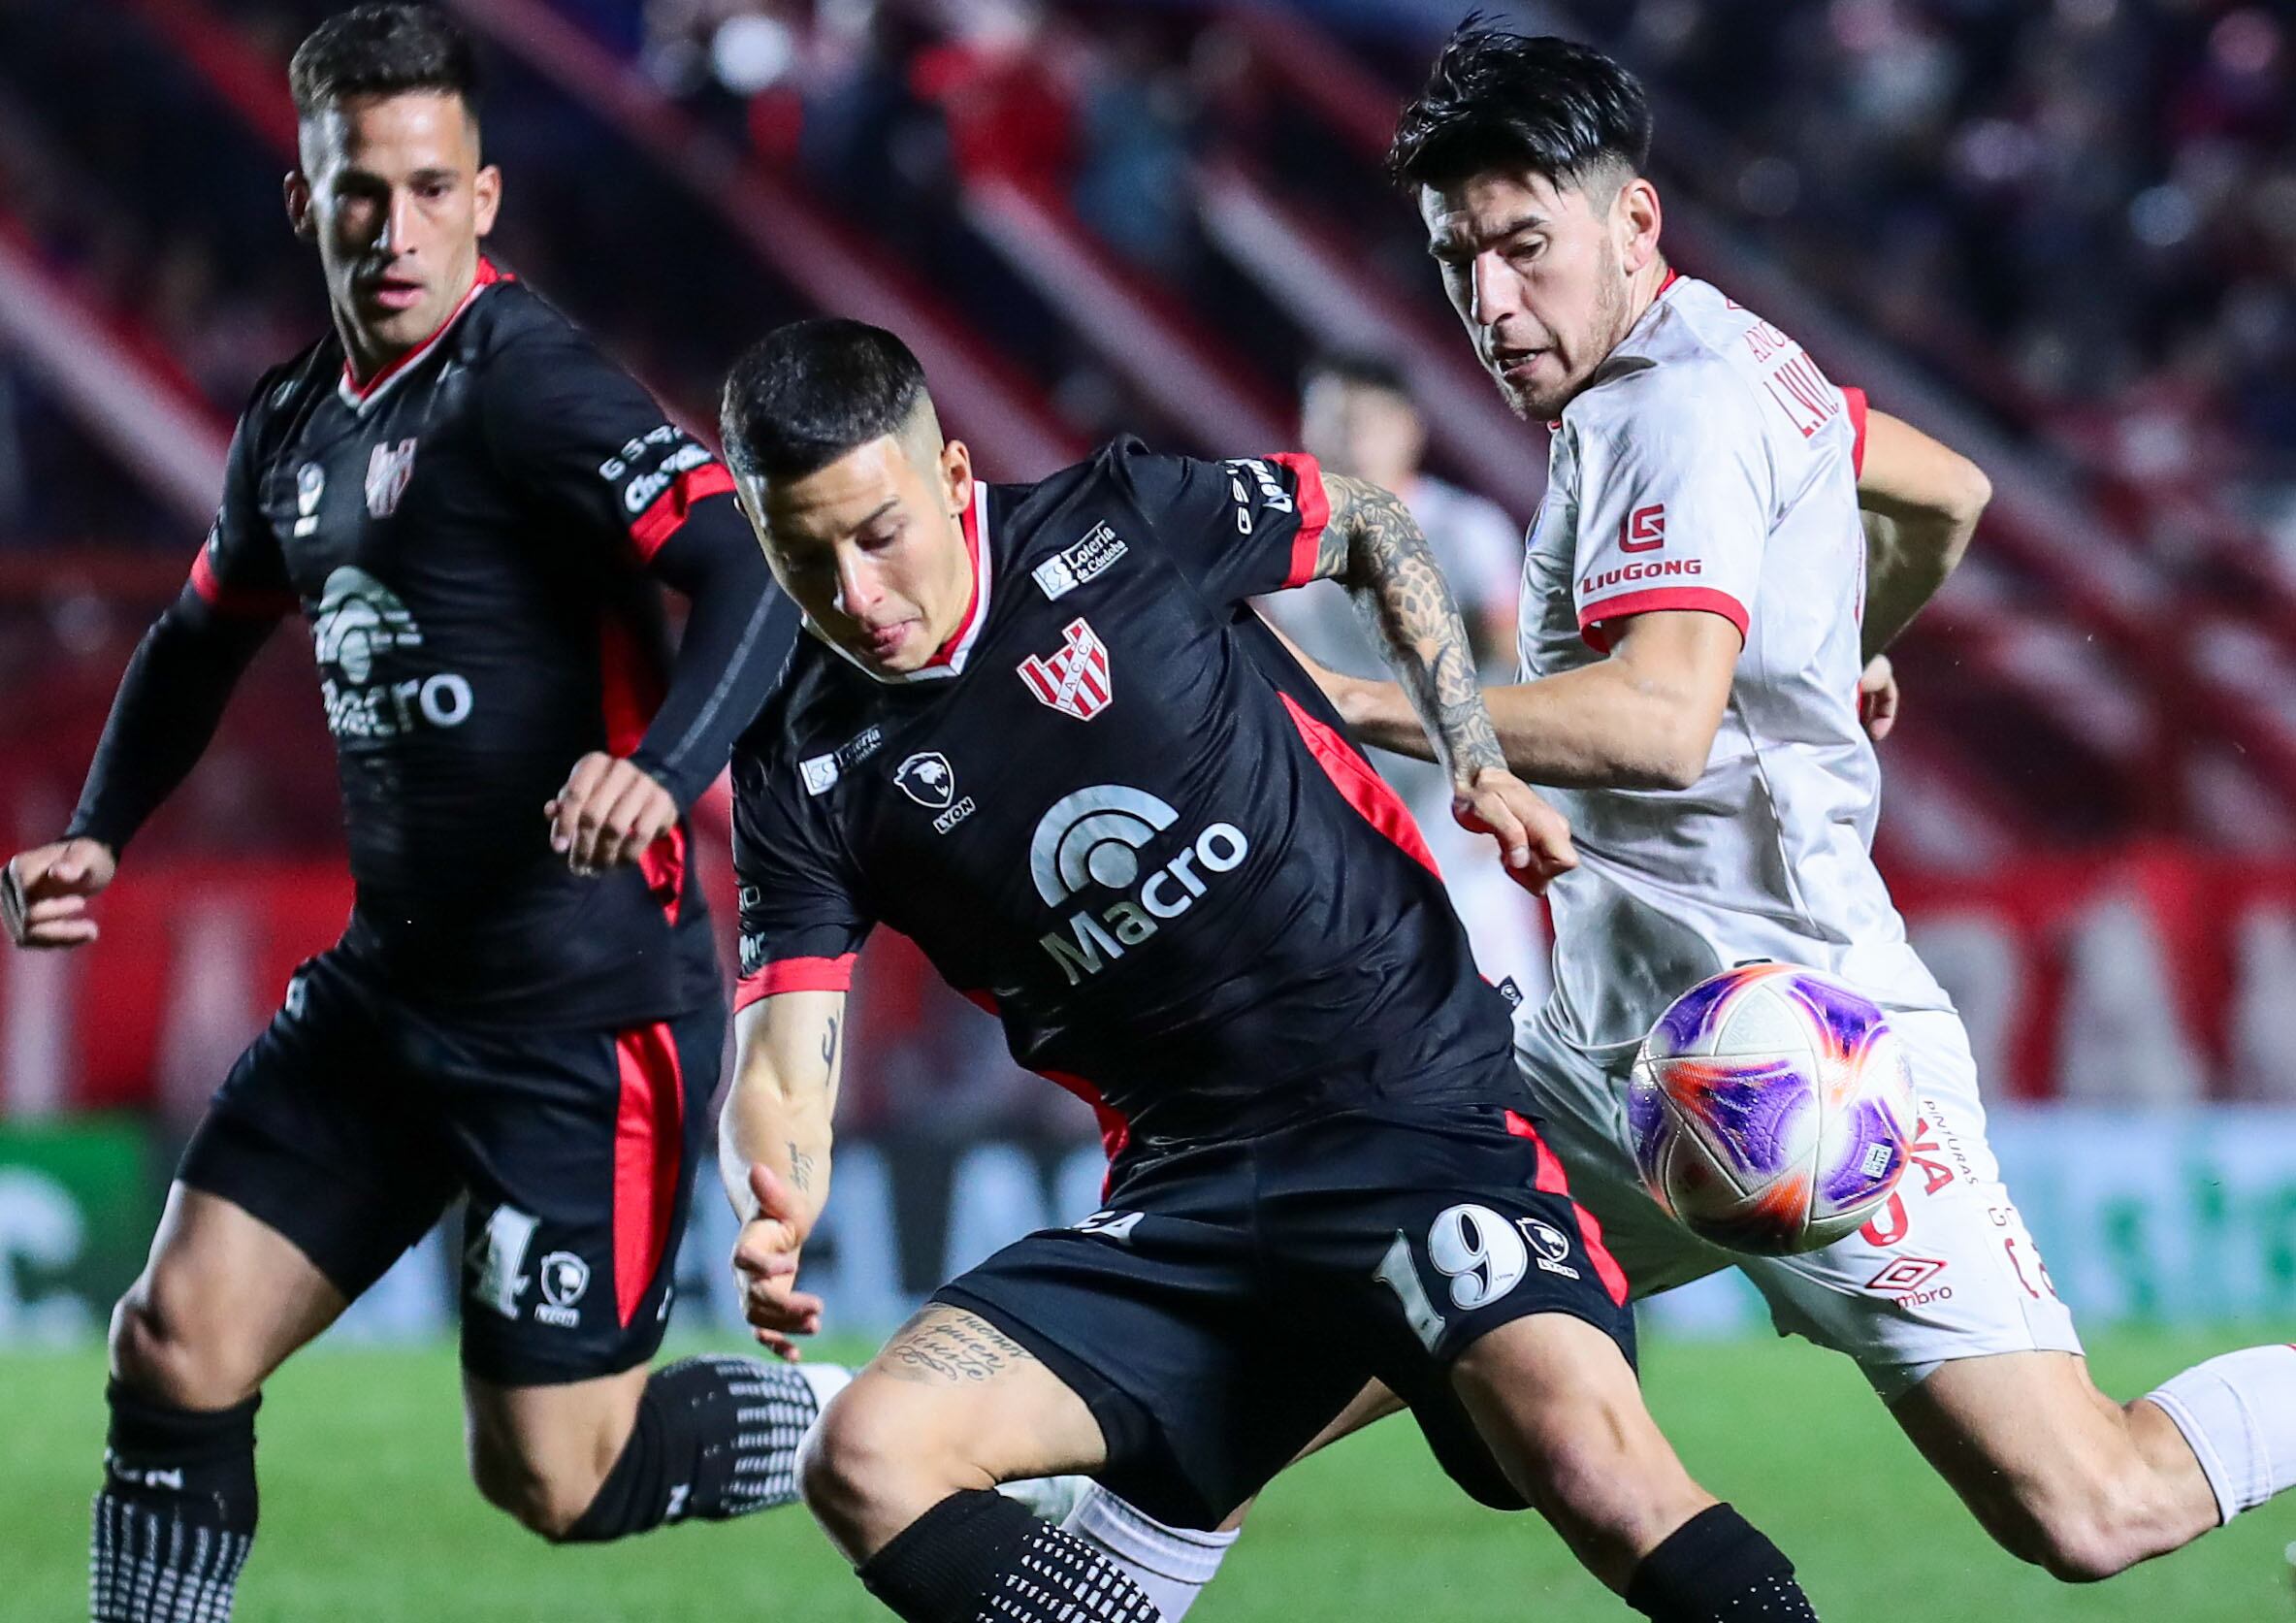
x,y
942,1344
1400,593
800,1168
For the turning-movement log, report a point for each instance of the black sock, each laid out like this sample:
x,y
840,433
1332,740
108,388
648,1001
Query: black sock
x,y
1717,1567
978,1557
716,1438
176,1517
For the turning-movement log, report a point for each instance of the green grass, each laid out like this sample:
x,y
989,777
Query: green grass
x,y
367,1514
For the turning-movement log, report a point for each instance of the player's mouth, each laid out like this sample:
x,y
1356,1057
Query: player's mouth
x,y
394,293
885,641
1515,366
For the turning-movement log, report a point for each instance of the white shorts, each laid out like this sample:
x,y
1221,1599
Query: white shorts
x,y
1945,1270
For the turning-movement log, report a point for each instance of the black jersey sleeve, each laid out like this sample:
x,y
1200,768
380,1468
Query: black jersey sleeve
x,y
801,919
181,676
581,436
1239,529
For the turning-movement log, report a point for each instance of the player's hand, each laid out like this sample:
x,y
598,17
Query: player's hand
x,y
609,811
1534,839
45,891
1877,698
765,1262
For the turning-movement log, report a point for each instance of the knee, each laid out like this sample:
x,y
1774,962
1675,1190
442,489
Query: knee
x,y
547,1500
161,1350
860,1455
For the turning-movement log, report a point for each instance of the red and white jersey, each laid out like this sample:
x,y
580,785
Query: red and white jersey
x,y
1711,466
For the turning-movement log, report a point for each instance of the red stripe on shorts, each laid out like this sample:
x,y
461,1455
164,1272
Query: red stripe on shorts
x,y
647,1119
1551,1181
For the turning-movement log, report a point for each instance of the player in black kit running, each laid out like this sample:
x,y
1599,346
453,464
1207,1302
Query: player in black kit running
x,y
472,507
1037,729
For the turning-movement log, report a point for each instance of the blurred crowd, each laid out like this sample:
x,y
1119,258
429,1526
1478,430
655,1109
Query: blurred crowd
x,y
2080,211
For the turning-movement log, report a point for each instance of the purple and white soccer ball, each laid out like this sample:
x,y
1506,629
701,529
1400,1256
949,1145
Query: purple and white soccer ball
x,y
1771,1109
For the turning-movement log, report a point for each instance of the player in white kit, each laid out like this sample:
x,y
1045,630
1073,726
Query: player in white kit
x,y
1700,610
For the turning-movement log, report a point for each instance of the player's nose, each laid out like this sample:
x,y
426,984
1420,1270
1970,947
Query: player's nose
x,y
1491,296
856,585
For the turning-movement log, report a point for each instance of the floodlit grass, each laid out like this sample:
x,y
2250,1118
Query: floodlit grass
x,y
367,1514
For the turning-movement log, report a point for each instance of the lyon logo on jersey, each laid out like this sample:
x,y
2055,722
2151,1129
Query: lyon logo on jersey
x,y
1074,680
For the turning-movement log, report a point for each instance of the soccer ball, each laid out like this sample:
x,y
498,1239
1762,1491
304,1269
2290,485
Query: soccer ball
x,y
1771,1109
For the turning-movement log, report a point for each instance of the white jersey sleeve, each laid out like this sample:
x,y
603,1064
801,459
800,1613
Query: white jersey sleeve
x,y
1676,497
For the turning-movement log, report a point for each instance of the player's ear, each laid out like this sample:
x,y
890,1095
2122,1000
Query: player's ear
x,y
296,188
956,474
486,190
1637,218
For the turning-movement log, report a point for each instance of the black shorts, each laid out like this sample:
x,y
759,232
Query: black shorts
x,y
1232,1298
356,1118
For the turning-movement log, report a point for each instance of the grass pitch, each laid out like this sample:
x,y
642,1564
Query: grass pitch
x,y
367,1516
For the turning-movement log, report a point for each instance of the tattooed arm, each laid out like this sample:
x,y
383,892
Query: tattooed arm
x,y
773,1151
1373,547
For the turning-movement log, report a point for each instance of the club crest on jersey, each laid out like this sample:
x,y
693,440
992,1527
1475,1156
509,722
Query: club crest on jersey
x,y
1074,680
387,471
1089,558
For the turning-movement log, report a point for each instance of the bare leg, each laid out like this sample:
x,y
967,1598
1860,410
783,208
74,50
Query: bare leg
x,y
1557,1402
951,1404
542,1453
224,1299
2059,1474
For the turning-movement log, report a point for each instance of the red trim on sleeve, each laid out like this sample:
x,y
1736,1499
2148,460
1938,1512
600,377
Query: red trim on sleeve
x,y
1361,787
1315,511
239,602
1658,599
1550,1180
1855,400
794,975
647,1150
652,529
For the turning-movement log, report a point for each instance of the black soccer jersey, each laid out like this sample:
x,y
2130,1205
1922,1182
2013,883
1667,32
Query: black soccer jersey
x,y
1116,814
474,534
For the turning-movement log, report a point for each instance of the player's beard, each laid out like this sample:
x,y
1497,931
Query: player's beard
x,y
1605,329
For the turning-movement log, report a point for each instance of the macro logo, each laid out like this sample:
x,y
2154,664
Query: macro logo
x,y
360,625
1089,843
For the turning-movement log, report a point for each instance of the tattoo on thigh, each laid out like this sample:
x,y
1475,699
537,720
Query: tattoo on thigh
x,y
942,1344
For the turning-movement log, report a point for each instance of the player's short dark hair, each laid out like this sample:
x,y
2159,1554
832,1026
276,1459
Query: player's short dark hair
x,y
1503,100
382,49
1361,367
807,393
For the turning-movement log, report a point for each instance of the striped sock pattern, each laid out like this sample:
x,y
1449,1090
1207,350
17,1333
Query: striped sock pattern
x,y
762,1414
1056,1578
156,1565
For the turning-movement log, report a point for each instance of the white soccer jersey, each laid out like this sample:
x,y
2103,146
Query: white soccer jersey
x,y
1711,466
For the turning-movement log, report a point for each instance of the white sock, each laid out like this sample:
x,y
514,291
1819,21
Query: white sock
x,y
2238,1415
826,1379
1173,1564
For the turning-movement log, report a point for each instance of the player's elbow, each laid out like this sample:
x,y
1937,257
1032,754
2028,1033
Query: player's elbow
x,y
1968,492
1669,752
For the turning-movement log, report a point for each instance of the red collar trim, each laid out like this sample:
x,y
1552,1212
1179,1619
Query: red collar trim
x,y
946,655
355,393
